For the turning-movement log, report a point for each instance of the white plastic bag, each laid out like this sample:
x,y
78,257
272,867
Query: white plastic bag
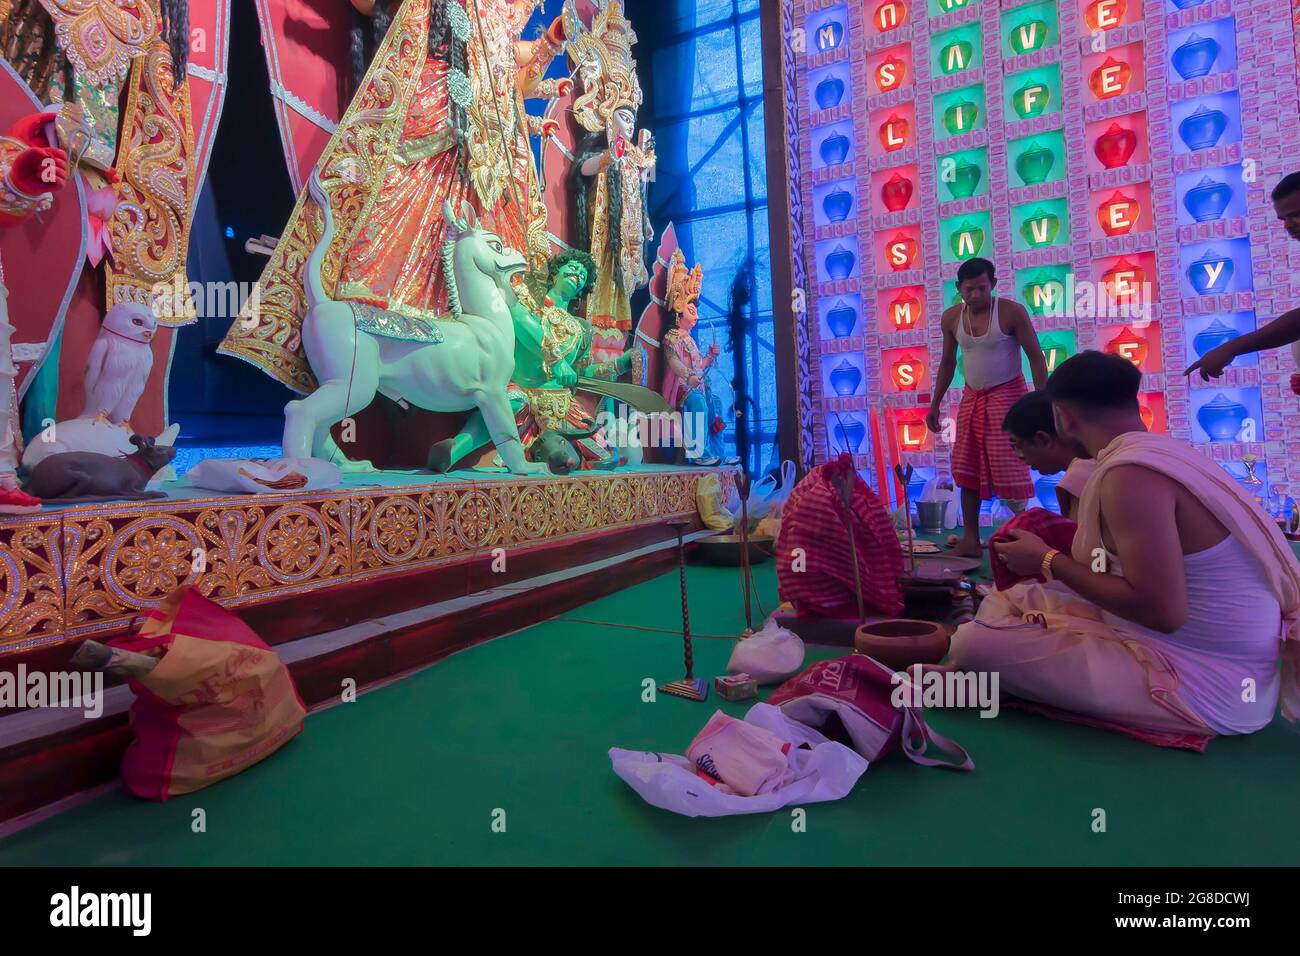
x,y
767,498
769,656
822,771
255,476
943,488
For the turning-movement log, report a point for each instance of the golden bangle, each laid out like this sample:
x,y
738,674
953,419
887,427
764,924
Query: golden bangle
x,y
1046,567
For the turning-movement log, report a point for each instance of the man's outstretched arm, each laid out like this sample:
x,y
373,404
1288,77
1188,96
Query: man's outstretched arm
x,y
1283,330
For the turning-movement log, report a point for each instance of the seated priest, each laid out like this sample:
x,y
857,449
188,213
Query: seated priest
x,y
1031,429
1178,600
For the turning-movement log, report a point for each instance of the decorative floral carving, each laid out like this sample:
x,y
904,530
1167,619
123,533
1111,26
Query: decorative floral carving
x,y
293,543
150,558
95,568
397,529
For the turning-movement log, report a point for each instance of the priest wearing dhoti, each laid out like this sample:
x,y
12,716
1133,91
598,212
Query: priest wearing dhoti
x,y
1177,609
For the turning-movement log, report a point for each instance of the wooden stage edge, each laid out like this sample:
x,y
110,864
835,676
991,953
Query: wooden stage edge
x,y
319,559
48,757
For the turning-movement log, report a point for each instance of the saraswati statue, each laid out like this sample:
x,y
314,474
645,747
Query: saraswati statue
x,y
438,123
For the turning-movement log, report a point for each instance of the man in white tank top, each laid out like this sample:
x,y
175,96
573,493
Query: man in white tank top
x,y
991,332
1285,329
1177,601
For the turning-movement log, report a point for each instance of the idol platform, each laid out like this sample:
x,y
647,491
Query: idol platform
x,y
376,578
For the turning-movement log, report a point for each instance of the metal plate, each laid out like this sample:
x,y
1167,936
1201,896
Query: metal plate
x,y
944,566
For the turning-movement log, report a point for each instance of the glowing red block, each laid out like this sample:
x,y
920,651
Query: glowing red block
x,y
1110,79
1118,214
893,132
1123,282
1116,146
890,74
1129,345
890,15
907,373
903,310
900,252
1105,14
896,192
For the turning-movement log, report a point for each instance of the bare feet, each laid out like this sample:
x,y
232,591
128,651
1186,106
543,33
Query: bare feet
x,y
968,547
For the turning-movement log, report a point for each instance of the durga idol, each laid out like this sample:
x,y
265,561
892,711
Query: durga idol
x,y
439,117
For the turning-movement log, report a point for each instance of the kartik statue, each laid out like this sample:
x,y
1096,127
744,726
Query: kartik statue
x,y
685,383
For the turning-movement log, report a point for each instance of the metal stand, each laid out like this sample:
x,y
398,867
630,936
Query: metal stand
x,y
746,578
689,686
904,476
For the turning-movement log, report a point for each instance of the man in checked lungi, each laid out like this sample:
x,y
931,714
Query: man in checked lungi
x,y
991,332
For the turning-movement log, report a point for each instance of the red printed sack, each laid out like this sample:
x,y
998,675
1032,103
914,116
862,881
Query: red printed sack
x,y
217,702
857,693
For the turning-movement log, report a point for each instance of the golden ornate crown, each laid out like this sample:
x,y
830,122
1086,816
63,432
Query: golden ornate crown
x,y
683,284
607,46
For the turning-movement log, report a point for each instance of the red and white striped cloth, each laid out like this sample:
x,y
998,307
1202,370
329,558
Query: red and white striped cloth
x,y
1056,530
982,456
814,564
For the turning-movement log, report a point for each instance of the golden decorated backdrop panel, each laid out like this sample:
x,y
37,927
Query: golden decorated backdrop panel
x,y
123,560
32,569
89,569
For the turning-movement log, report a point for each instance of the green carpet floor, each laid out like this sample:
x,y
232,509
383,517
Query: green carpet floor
x,y
413,774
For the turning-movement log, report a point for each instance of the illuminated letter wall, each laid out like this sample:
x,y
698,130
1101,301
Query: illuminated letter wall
x,y
1112,157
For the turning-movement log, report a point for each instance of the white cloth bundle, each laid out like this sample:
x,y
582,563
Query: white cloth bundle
x,y
255,476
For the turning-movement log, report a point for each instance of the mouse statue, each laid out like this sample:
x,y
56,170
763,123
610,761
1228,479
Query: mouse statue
x,y
80,476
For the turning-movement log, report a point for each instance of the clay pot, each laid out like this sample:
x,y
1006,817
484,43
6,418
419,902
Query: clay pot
x,y
900,642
